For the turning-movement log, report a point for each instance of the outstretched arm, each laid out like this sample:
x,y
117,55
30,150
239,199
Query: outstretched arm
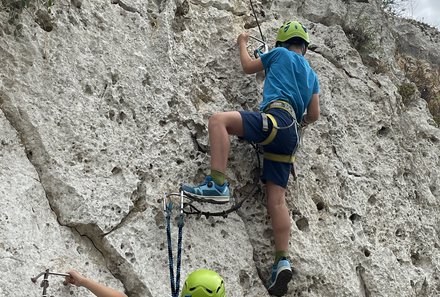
x,y
249,66
98,289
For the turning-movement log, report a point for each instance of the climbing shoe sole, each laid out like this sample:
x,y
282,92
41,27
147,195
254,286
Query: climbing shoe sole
x,y
279,287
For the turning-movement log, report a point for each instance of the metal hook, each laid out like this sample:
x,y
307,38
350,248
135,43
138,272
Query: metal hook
x,y
181,202
45,282
165,202
34,279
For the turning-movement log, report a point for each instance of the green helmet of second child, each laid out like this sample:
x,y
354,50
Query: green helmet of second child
x,y
203,283
292,29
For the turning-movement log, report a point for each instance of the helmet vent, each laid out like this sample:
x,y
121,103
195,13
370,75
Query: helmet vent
x,y
219,287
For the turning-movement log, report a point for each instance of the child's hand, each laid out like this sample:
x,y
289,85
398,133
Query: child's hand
x,y
75,278
243,38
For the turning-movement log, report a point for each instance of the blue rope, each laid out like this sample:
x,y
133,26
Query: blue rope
x,y
179,254
175,282
170,249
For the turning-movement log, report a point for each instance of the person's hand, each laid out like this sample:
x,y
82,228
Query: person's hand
x,y
74,278
304,122
243,38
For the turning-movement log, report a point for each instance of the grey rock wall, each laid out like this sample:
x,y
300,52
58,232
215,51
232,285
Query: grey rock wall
x,y
104,108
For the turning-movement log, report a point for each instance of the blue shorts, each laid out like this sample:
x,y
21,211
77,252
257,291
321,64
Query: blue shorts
x,y
285,142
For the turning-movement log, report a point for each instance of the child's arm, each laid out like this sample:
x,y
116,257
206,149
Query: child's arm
x,y
249,66
99,290
313,110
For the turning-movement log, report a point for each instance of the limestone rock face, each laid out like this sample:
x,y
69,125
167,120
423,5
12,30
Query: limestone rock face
x,y
104,107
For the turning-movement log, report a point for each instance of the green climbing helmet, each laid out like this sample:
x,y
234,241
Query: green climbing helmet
x,y
292,29
203,283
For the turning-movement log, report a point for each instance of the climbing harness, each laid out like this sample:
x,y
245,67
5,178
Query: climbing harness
x,y
168,207
45,283
266,117
262,48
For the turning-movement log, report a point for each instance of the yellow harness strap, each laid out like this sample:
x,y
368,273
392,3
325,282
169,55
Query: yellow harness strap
x,y
274,131
279,158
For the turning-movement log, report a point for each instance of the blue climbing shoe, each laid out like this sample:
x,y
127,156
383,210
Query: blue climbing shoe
x,y
281,276
208,191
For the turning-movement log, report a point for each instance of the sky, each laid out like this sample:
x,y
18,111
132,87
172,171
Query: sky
x,y
427,11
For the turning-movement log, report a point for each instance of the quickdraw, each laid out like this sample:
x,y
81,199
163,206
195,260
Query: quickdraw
x,y
45,283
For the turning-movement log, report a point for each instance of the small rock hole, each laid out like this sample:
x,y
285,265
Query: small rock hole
x,y
372,199
367,253
303,224
320,205
384,131
116,170
354,217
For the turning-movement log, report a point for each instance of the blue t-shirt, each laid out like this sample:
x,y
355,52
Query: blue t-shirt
x,y
289,77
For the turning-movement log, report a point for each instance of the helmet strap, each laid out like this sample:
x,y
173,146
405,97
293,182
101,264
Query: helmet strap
x,y
304,49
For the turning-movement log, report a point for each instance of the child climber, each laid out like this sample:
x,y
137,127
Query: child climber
x,y
290,97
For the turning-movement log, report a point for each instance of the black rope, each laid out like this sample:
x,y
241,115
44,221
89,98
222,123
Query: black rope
x,y
224,213
256,19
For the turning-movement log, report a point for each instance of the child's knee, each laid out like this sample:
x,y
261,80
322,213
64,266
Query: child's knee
x,y
276,206
214,120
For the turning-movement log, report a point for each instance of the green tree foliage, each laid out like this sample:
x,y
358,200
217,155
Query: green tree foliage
x,y
407,91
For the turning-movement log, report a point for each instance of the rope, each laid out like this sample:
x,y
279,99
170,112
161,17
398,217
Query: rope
x,y
258,24
179,255
170,249
174,281
263,48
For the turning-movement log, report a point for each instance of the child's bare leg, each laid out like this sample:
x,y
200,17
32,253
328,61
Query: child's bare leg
x,y
279,214
220,126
